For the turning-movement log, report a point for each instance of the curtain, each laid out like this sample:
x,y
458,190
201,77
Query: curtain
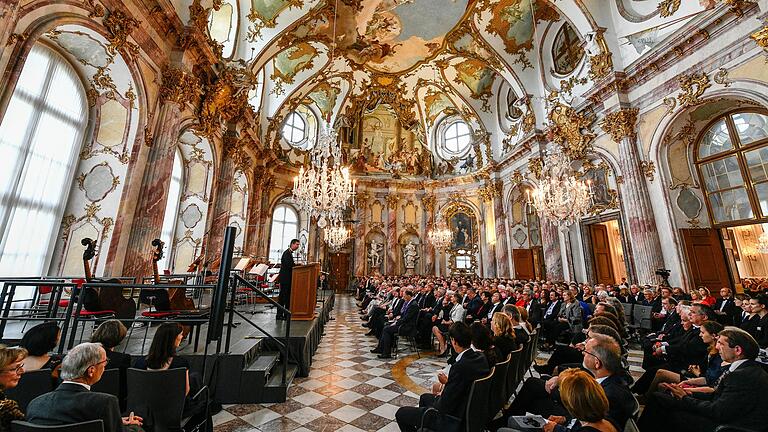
x,y
40,137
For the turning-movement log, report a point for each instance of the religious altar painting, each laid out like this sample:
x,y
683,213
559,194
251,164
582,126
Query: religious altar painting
x,y
393,36
463,226
512,20
603,198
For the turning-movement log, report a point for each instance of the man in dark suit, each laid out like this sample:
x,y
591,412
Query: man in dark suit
x,y
533,307
286,273
739,399
602,358
73,401
725,307
469,366
404,324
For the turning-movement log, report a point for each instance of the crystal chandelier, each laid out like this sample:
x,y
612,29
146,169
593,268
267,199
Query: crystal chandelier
x,y
336,236
762,243
560,196
440,236
326,188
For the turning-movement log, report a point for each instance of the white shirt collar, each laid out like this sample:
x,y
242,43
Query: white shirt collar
x,y
78,383
600,380
736,364
458,357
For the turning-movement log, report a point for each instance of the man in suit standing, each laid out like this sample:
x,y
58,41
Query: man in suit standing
x,y
74,402
739,399
725,307
286,272
405,324
468,367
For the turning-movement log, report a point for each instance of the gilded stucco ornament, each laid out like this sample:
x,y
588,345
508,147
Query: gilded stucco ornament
x,y
120,27
620,124
429,201
226,100
536,167
570,129
392,200
668,8
692,87
179,86
600,57
721,77
761,38
649,169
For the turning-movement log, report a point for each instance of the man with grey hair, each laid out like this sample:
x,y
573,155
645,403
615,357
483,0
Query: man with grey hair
x,y
602,358
74,402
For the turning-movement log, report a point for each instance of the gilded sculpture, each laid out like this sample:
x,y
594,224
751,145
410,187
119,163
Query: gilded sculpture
x,y
692,87
621,124
571,130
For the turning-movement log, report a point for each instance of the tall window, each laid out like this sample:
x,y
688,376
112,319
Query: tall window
x,y
732,159
566,50
40,137
456,137
171,210
285,227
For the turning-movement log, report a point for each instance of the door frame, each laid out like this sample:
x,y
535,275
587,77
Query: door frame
x,y
586,243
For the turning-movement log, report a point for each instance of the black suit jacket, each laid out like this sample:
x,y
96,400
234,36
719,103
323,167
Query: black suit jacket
x,y
534,312
286,269
426,301
555,311
739,400
730,309
671,324
72,403
621,403
406,323
453,399
689,349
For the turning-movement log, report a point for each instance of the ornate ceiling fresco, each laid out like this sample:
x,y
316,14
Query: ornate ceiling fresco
x,y
393,75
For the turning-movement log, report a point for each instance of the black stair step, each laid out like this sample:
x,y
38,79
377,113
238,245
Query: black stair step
x,y
275,391
264,362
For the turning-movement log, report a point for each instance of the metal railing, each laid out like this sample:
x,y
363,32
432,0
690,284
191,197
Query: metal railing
x,y
238,280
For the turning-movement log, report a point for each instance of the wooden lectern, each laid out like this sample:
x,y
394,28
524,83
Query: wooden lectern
x,y
304,291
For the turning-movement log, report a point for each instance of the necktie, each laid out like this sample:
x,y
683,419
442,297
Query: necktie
x,y
722,377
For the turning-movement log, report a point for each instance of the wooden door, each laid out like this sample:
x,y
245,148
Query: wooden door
x,y
523,261
339,271
706,261
601,252
538,263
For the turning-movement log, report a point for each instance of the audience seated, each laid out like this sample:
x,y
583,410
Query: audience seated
x,y
73,401
572,354
706,296
110,334
739,398
696,378
569,320
725,307
40,341
757,324
482,342
427,319
468,367
405,323
11,369
448,317
602,358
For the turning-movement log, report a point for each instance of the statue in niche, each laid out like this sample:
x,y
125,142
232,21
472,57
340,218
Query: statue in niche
x,y
374,255
410,256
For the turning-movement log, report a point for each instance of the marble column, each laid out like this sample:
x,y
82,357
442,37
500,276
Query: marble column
x,y
502,258
644,239
264,217
8,40
553,258
254,212
392,248
489,254
178,88
222,204
361,252
428,203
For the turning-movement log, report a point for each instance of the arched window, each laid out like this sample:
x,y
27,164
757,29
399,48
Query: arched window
x,y
456,138
567,51
171,210
40,137
732,160
513,112
295,128
285,227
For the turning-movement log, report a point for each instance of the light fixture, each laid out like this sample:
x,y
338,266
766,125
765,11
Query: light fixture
x,y
440,235
326,188
560,195
336,236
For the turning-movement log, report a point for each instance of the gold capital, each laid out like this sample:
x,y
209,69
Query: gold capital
x,y
621,124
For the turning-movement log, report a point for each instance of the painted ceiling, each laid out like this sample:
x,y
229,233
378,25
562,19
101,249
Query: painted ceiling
x,y
486,62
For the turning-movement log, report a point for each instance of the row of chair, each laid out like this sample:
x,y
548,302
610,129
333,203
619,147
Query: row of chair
x,y
489,394
161,410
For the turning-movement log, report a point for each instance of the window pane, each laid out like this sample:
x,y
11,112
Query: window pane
x,y
731,205
757,164
751,127
762,195
171,211
294,129
716,140
722,174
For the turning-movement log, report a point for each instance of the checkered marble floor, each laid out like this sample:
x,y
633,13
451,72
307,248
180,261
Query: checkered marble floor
x,y
348,388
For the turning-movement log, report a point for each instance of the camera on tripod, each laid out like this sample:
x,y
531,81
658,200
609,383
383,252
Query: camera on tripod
x,y
664,273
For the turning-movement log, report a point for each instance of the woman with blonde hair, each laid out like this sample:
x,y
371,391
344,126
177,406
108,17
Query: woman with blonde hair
x,y
585,400
504,341
11,369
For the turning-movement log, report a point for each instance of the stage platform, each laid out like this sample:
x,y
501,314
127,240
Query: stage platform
x,y
251,371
